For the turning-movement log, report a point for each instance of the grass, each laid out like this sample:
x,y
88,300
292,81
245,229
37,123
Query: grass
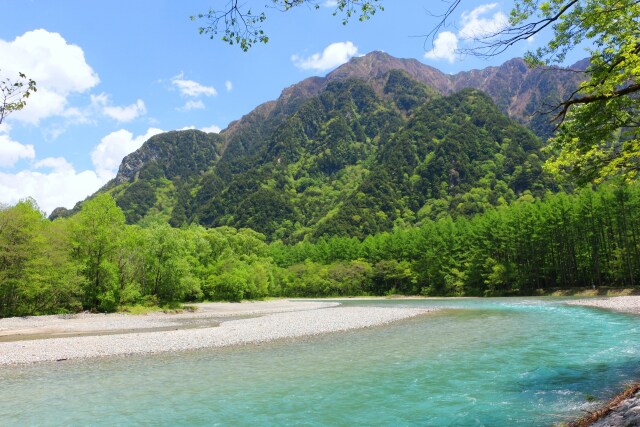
x,y
140,309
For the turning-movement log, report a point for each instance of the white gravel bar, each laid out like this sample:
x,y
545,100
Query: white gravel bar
x,y
278,320
626,304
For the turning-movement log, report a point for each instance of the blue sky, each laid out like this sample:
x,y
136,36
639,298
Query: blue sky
x,y
111,74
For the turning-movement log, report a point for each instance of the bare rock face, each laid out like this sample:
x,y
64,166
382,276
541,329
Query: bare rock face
x,y
177,153
134,162
375,65
519,91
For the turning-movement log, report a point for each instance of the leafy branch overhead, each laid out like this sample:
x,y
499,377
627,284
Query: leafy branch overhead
x,y
14,94
240,25
597,126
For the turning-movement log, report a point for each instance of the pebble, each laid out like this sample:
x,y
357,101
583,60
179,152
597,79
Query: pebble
x,y
322,318
626,304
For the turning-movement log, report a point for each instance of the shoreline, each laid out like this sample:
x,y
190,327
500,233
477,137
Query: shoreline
x,y
622,304
623,409
101,335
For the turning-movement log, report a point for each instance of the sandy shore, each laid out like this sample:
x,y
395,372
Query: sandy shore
x,y
51,338
626,304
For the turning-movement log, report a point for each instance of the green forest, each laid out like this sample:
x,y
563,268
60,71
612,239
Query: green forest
x,y
95,261
359,158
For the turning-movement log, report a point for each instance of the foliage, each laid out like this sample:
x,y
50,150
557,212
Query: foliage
x,y
241,26
561,241
96,233
37,273
14,94
597,125
95,261
350,161
598,134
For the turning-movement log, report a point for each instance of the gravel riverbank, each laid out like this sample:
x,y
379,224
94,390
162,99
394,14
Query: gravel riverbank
x,y
626,304
95,335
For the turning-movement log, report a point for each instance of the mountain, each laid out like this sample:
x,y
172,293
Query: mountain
x,y
522,93
377,143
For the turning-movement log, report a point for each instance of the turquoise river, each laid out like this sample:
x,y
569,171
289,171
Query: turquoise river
x,y
479,362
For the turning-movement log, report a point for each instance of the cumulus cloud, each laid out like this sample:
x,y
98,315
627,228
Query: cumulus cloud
x,y
333,55
444,47
128,113
211,129
228,85
192,88
108,155
12,151
56,164
192,105
59,68
474,25
207,129
61,187
101,103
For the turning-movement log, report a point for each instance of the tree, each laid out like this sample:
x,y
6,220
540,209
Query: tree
x,y
37,273
13,94
598,134
96,233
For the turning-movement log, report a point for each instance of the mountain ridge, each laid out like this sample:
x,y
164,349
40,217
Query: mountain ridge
x,y
295,166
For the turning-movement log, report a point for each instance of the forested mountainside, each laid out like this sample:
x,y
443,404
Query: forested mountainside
x,y
378,142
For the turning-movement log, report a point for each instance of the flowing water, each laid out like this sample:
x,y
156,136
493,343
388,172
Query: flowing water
x,y
485,362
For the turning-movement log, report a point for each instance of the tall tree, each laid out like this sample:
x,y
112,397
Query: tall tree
x,y
96,232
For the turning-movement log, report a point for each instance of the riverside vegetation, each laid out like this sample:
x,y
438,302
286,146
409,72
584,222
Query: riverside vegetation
x,y
95,261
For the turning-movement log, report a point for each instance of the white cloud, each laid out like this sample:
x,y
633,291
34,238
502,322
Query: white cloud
x,y
474,25
192,105
62,187
444,47
333,55
57,164
99,101
108,155
330,3
128,113
102,104
12,151
192,88
207,129
58,68
228,85
211,129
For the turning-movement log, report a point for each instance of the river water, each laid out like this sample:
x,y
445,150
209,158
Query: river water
x,y
480,362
